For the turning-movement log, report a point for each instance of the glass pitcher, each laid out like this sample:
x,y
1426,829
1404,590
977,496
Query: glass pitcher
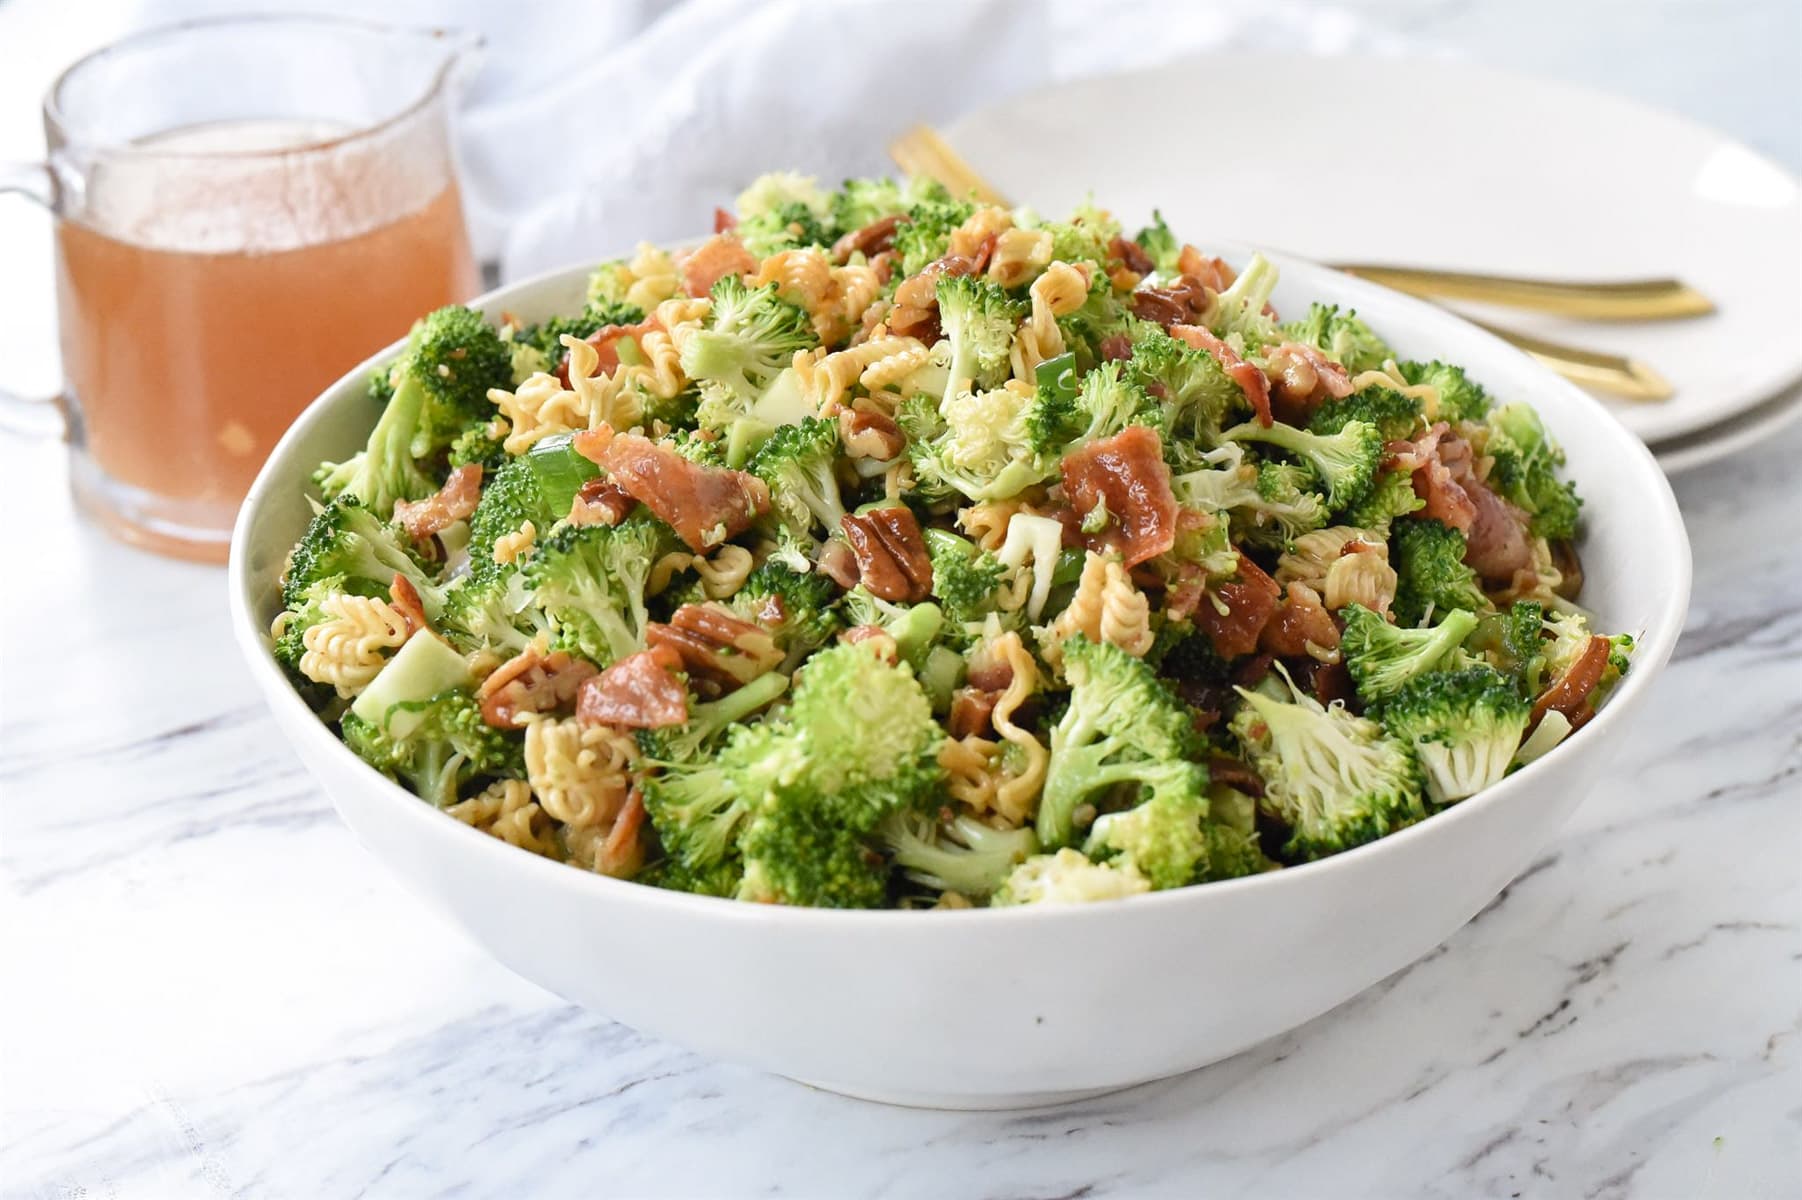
x,y
246,207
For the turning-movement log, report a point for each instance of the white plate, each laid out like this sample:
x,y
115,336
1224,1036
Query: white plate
x,y
1744,431
1441,164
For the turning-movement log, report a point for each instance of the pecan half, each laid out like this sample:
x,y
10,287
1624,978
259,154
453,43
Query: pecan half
x,y
1182,303
719,649
870,434
891,555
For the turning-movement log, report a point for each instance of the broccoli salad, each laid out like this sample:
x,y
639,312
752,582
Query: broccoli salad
x,y
890,550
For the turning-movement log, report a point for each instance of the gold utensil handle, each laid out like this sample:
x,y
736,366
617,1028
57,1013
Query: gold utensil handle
x,y
1619,300
921,151
1612,373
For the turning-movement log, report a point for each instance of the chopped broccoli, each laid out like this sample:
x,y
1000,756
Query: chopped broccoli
x,y
699,806
1170,841
926,232
1345,463
1157,240
1395,416
782,210
384,471
1068,877
1464,727
479,445
1240,308
546,338
965,579
1267,504
1460,397
1106,402
750,338
975,444
979,319
1392,496
1511,641
1033,543
491,607
708,723
446,745
1526,471
915,628
862,202
798,462
1331,777
956,853
795,608
1342,337
1431,577
1193,390
590,579
1383,657
347,548
1121,728
539,486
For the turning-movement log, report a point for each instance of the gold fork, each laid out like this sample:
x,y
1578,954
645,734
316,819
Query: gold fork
x,y
921,151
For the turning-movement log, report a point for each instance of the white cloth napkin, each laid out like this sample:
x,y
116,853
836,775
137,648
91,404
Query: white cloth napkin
x,y
593,126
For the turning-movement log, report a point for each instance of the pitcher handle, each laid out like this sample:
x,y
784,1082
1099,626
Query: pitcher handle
x,y
31,416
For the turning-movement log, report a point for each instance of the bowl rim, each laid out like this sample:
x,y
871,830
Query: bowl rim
x,y
1653,649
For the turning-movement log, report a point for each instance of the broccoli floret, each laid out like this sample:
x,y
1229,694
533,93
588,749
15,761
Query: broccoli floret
x,y
1396,416
1121,728
1345,463
1170,841
1569,635
589,581
1342,337
696,447
1033,543
1431,577
1084,237
1068,877
1383,657
1526,471
975,444
915,628
751,336
1267,504
798,463
965,578
1190,386
1512,642
1331,777
1240,308
385,470
978,318
708,723
925,234
1464,727
700,805
491,607
446,745
479,445
539,486
862,202
1106,402
956,853
1157,240
782,210
1390,497
795,608
1460,397
347,548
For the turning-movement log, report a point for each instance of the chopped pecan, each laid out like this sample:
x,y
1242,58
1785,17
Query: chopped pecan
x,y
870,434
891,555
601,502
1132,255
1181,303
531,682
719,649
1116,347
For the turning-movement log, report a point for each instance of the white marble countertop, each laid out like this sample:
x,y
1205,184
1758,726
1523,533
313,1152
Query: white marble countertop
x,y
209,989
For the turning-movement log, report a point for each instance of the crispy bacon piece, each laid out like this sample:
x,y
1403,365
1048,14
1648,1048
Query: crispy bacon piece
x,y
1182,302
867,433
605,341
1301,621
1249,601
719,649
1301,380
1236,775
451,503
640,691
1116,347
405,598
1445,479
723,221
892,561
1251,381
871,240
531,682
1126,473
1212,273
601,502
704,505
971,708
1570,693
1131,255
714,259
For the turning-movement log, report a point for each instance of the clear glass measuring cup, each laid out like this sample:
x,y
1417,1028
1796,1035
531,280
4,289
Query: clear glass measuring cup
x,y
245,207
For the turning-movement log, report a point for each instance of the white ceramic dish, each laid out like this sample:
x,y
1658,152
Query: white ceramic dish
x,y
1454,166
1005,1007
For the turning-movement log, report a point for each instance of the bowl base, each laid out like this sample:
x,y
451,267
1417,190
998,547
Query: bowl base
x,y
964,1101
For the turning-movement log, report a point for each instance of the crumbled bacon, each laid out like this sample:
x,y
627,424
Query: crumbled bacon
x,y
601,502
1127,474
892,561
714,259
1249,602
1300,626
1301,380
531,682
405,598
449,504
1571,692
1116,347
704,505
639,691
719,649
971,708
1131,255
1212,273
871,240
1182,302
1445,479
723,221
1251,381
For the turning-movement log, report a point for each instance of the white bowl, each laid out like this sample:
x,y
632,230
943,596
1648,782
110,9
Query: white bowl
x,y
1006,1007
